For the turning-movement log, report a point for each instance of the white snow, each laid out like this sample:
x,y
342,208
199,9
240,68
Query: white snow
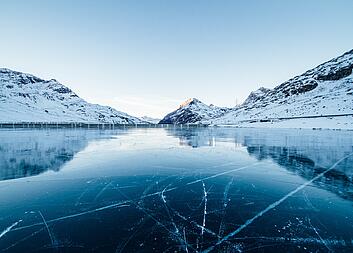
x,y
26,98
294,99
345,122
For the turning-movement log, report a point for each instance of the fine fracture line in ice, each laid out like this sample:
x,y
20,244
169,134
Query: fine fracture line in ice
x,y
163,193
205,208
204,199
23,239
126,203
223,173
83,193
176,233
198,180
9,228
225,204
275,204
195,223
186,244
102,191
317,233
297,240
170,216
120,204
47,227
308,202
121,248
192,222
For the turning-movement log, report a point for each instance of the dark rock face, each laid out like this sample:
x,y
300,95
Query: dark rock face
x,y
336,75
296,87
63,90
307,87
187,116
21,77
256,95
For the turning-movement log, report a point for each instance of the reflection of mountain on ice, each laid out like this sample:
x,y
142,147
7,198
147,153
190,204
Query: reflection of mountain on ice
x,y
303,152
32,152
192,137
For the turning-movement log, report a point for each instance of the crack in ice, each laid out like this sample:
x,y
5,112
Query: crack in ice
x,y
5,231
47,227
317,233
176,233
225,204
127,203
275,204
186,244
120,204
102,191
223,173
205,209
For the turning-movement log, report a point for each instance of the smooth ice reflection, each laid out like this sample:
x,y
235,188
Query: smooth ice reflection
x,y
176,189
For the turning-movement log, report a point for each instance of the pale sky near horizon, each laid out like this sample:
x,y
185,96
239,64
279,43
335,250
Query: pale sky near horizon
x,y
147,57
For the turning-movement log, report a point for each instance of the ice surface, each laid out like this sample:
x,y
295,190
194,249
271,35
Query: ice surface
x,y
173,189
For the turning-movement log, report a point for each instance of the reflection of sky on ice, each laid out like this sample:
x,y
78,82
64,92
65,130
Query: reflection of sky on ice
x,y
195,189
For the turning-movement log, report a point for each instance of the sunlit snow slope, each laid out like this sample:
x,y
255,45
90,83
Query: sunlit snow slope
x,y
324,90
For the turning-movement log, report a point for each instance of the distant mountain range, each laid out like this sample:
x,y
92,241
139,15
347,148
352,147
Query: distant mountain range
x,y
322,96
326,90
27,98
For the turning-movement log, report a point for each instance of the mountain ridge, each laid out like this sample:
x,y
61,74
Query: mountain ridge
x,y
27,98
326,89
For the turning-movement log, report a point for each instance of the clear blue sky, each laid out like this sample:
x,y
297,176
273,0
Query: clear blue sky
x,y
145,57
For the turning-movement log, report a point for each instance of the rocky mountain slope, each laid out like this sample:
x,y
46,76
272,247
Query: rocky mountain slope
x,y
192,111
27,98
324,90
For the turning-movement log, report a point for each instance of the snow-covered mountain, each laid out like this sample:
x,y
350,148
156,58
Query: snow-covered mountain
x,y
324,90
27,98
192,111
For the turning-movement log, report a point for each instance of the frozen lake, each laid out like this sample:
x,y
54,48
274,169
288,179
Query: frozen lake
x,y
176,190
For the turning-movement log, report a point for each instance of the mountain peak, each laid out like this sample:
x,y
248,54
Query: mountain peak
x,y
192,111
255,95
190,101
